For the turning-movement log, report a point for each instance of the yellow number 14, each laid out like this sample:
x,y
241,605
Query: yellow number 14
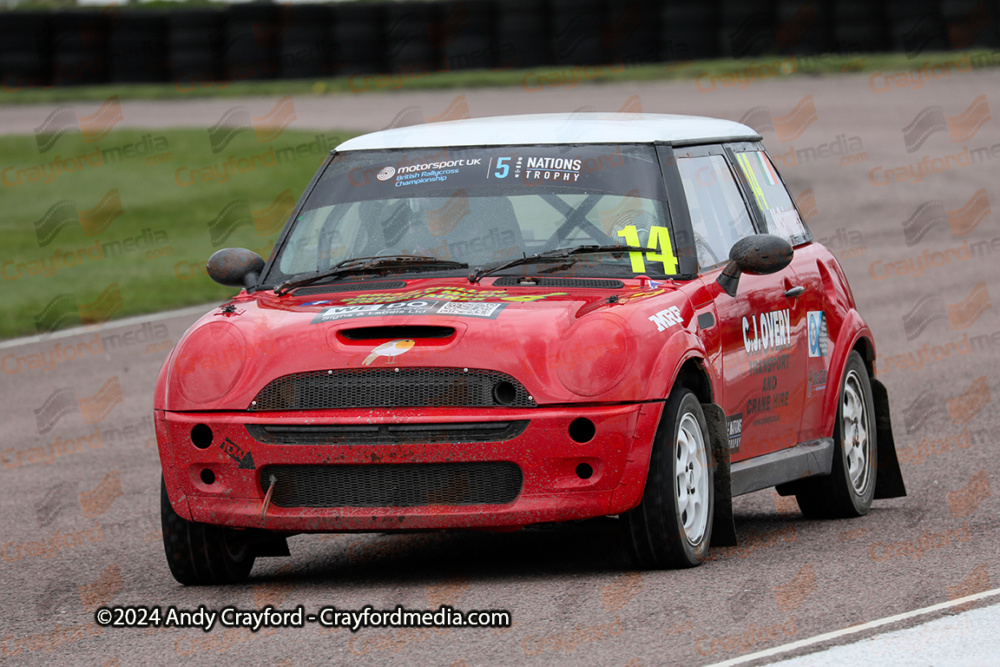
x,y
659,238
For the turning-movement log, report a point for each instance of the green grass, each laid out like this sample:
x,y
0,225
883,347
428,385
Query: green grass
x,y
167,273
554,77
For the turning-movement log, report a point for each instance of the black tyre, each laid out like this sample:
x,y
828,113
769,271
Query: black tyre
x,y
77,48
631,31
672,525
200,554
577,37
860,37
849,489
250,39
803,28
137,48
522,34
410,30
357,43
688,31
304,44
194,45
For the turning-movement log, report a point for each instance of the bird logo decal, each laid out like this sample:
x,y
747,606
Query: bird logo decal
x,y
392,349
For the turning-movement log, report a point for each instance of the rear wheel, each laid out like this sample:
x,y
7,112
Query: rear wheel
x,y
202,554
672,525
849,489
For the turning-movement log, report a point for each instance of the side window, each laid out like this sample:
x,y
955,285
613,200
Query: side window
x,y
772,197
719,215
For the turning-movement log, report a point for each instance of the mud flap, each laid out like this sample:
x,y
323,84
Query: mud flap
x,y
272,549
266,544
723,528
888,478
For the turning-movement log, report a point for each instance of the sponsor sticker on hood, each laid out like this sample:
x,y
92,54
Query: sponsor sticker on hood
x,y
484,310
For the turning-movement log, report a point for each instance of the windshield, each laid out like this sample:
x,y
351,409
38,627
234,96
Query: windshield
x,y
483,206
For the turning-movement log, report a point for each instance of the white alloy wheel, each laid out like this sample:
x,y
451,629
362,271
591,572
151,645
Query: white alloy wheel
x,y
692,479
857,445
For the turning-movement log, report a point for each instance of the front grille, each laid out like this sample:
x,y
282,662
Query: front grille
x,y
402,485
511,281
385,434
392,388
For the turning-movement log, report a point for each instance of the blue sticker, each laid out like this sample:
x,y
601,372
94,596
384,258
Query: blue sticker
x,y
817,333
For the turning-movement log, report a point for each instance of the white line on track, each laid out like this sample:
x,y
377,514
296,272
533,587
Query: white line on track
x,y
113,324
854,629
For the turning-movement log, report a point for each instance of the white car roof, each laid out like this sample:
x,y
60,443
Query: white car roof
x,y
557,128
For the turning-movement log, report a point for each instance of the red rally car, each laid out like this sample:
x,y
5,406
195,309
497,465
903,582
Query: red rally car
x,y
499,322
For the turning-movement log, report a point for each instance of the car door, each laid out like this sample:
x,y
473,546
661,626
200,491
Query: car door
x,y
781,218
762,358
775,213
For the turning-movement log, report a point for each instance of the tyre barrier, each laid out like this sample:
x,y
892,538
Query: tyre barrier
x,y
630,32
804,28
746,28
969,24
915,26
304,43
357,39
859,25
688,31
575,27
24,50
251,34
204,46
78,44
522,34
412,37
465,35
194,47
137,48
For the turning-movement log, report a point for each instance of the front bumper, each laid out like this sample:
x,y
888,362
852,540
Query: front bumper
x,y
552,491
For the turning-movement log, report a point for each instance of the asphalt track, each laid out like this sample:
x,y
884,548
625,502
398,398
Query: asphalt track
x,y
80,474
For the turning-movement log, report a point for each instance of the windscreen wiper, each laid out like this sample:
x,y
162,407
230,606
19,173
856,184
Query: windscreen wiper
x,y
565,254
374,264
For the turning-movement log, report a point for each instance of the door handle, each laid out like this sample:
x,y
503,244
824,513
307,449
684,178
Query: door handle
x,y
793,292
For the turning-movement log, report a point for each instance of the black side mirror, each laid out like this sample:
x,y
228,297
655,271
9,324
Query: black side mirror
x,y
759,254
235,267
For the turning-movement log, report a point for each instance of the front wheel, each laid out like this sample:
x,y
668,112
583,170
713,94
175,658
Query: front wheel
x,y
672,525
202,554
849,489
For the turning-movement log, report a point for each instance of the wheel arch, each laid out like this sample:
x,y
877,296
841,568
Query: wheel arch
x,y
866,348
681,357
854,334
693,375
889,478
